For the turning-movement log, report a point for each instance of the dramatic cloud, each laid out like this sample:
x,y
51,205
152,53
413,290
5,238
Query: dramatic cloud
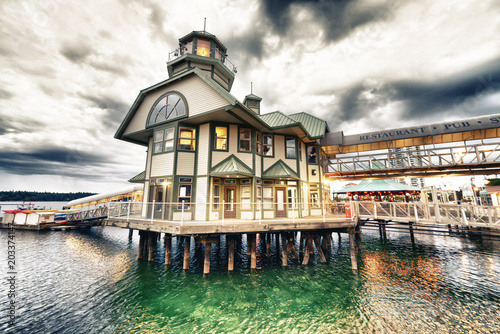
x,y
69,71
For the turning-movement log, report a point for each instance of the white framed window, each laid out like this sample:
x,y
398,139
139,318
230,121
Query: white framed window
x,y
221,138
292,197
245,144
268,198
187,139
216,196
246,198
267,149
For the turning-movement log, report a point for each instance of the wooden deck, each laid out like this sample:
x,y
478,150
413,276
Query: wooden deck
x,y
233,226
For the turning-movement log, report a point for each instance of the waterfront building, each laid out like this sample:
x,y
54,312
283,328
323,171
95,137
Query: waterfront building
x,y
205,146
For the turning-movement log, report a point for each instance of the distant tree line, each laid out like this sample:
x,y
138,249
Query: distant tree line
x,y
34,196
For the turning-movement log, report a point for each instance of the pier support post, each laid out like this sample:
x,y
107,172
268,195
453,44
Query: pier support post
x,y
168,249
141,245
187,248
320,251
309,249
249,243
268,244
352,248
412,236
284,250
291,246
230,260
130,233
208,250
152,237
253,261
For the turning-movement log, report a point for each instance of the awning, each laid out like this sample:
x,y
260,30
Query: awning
x,y
377,185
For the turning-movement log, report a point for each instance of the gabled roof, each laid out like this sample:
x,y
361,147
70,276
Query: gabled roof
x,y
378,185
195,71
277,119
315,127
139,178
279,170
231,165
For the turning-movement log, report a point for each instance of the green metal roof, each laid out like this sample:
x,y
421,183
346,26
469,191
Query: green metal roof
x,y
231,165
277,119
314,126
139,178
377,185
253,97
279,170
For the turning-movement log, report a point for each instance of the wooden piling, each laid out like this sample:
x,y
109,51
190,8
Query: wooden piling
x,y
309,249
230,260
168,249
151,245
141,244
268,245
320,251
249,244
352,248
412,236
253,262
130,233
284,250
206,267
187,247
291,247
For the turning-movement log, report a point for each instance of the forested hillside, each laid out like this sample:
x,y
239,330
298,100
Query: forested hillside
x,y
33,196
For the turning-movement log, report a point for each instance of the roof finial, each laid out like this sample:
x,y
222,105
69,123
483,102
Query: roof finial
x,y
205,25
251,87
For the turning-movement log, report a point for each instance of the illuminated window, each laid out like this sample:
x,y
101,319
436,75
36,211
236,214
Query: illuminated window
x,y
168,107
268,145
187,139
245,140
203,48
221,138
290,148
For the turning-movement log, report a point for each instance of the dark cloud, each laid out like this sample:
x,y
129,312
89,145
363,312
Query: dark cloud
x,y
50,161
9,124
5,95
337,17
115,109
423,99
76,52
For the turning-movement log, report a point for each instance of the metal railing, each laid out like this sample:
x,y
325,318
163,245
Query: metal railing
x,y
452,214
230,211
97,213
187,49
427,156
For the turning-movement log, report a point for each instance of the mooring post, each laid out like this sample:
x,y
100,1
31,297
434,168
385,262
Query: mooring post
x,y
141,245
187,247
168,249
352,247
230,260
208,250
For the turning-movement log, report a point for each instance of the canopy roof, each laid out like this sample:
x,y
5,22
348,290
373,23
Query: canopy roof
x,y
231,166
377,185
279,170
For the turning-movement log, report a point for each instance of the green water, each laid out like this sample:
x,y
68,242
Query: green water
x,y
90,282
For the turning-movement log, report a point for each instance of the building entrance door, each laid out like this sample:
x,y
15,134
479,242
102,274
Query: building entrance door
x,y
280,202
229,205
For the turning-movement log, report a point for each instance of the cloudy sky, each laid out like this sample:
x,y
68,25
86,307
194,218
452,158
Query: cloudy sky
x,y
70,70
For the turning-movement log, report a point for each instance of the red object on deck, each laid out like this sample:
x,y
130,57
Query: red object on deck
x,y
348,213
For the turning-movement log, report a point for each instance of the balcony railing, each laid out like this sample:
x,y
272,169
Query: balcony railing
x,y
184,49
222,211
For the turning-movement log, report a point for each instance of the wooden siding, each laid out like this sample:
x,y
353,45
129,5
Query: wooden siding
x,y
258,167
185,163
313,178
148,158
203,149
201,197
221,82
180,68
162,164
279,153
303,164
218,156
200,98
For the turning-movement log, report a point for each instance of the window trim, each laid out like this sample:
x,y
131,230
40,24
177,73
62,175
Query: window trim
x,y
193,140
249,140
186,109
294,148
215,138
164,140
258,143
316,154
272,145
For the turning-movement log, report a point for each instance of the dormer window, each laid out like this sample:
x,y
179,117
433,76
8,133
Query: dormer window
x,y
168,107
203,47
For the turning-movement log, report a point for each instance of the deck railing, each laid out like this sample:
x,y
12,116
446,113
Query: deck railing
x,y
222,211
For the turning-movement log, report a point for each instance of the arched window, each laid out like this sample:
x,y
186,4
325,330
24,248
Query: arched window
x,y
167,107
